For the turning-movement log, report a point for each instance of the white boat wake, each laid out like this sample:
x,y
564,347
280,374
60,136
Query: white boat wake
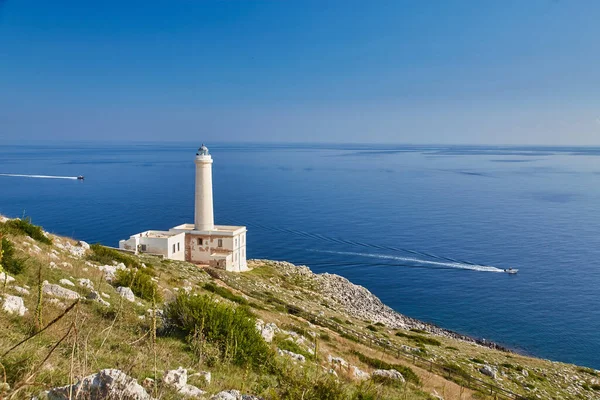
x,y
472,267
41,176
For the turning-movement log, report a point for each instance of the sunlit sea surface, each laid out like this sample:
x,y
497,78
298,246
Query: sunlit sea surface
x,y
428,229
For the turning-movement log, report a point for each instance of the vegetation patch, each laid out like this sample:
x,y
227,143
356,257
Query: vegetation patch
x,y
407,372
289,345
8,261
104,255
588,371
223,292
25,227
232,330
371,328
420,339
140,283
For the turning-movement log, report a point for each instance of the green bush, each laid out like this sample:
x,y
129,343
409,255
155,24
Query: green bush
x,y
588,371
407,372
371,328
10,263
139,281
421,331
595,386
231,329
223,292
379,324
25,227
420,339
104,255
337,320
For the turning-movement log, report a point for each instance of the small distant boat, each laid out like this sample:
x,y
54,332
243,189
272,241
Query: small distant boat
x,y
511,271
80,177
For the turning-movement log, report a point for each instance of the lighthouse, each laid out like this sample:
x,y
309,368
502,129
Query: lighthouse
x,y
204,219
203,242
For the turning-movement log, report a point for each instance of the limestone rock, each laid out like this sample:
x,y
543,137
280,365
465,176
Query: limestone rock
x,y
57,303
107,384
297,357
52,265
21,290
176,378
359,374
14,305
93,295
110,271
391,374
126,293
489,371
4,276
267,331
234,395
86,283
84,245
191,392
66,282
337,361
54,290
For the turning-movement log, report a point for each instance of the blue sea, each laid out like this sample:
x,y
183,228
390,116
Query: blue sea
x,y
425,228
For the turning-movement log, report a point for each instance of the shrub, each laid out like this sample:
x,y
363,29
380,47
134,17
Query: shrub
x,y
139,281
478,360
371,328
420,339
25,227
231,329
421,331
104,255
595,386
223,292
325,337
379,324
337,320
8,262
588,371
407,372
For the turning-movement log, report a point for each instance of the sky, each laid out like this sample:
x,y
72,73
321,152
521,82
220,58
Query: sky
x,y
456,72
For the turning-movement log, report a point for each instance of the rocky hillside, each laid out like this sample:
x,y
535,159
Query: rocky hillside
x,y
88,322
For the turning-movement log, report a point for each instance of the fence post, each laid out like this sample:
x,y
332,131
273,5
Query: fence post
x,y
430,366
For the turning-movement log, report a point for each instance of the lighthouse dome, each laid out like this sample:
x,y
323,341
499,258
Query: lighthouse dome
x,y
202,151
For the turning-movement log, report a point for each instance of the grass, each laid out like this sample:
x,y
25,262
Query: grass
x,y
225,293
289,345
104,255
588,371
9,262
407,372
420,339
25,227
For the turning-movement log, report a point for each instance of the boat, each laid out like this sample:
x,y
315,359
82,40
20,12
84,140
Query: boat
x,y
80,177
511,271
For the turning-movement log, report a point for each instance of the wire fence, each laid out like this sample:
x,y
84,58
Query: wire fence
x,y
454,374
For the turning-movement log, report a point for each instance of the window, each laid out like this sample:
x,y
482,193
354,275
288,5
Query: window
x,y
177,246
243,238
143,247
199,241
235,242
173,247
220,243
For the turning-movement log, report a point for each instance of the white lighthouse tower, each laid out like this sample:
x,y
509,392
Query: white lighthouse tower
x,y
203,242
204,219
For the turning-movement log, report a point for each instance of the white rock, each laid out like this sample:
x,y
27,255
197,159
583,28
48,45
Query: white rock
x,y
267,331
106,384
176,378
84,245
21,290
52,265
489,371
110,271
388,374
66,282
126,293
297,357
525,373
4,276
67,265
191,392
93,295
227,395
105,295
14,305
337,361
53,256
57,303
86,283
359,374
51,289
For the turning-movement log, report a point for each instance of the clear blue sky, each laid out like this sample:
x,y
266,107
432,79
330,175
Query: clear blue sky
x,y
481,72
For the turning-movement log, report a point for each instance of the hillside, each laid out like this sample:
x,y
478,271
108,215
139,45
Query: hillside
x,y
123,325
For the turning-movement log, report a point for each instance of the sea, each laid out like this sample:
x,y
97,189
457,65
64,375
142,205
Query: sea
x,y
428,229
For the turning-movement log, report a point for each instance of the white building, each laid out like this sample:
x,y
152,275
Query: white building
x,y
202,242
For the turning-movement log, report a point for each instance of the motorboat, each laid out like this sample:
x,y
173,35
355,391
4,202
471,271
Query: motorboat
x,y
80,178
511,271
